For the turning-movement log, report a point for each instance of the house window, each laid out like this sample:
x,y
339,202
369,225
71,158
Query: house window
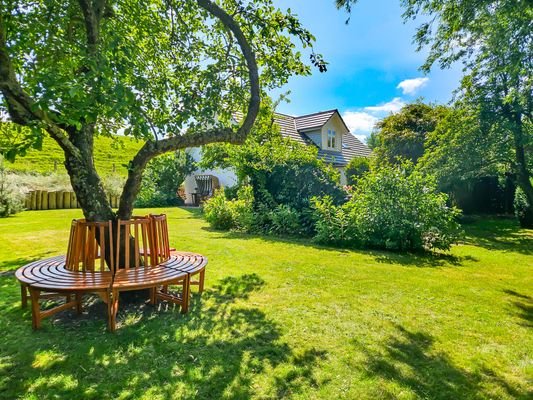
x,y
331,139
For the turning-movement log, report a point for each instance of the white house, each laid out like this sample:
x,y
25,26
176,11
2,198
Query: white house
x,y
326,130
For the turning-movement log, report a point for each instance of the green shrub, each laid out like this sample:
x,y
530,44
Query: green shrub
x,y
356,168
284,220
391,208
237,214
521,207
333,224
113,184
242,209
232,192
36,181
162,179
10,200
217,211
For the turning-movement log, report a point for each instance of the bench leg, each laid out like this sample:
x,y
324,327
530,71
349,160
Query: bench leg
x,y
78,297
112,308
186,294
153,296
201,281
35,309
23,295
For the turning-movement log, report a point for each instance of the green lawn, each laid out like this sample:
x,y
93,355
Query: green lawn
x,y
284,318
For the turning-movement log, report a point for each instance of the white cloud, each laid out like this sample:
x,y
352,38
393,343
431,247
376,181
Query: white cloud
x,y
411,86
392,106
362,122
359,121
362,138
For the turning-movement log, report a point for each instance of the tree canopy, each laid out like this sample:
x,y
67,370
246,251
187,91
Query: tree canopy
x,y
465,146
167,72
403,135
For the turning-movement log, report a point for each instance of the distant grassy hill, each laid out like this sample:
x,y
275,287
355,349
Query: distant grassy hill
x,y
108,152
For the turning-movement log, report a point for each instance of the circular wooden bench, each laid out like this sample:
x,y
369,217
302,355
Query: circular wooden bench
x,y
107,258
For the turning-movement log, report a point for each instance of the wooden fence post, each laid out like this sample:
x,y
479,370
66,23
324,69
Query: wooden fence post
x,y
66,199
38,199
59,199
44,200
51,200
33,200
72,200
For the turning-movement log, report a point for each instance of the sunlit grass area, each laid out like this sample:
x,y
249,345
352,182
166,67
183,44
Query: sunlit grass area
x,y
284,319
111,155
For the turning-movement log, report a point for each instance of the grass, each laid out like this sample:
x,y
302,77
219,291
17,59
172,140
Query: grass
x,y
285,319
108,151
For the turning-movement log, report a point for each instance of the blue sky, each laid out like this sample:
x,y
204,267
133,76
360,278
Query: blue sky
x,y
373,65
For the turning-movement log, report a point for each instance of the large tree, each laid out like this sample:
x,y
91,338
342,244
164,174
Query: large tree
x,y
466,146
403,135
494,41
168,72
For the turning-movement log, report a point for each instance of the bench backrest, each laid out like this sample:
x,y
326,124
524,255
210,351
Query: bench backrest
x,y
135,243
160,248
87,251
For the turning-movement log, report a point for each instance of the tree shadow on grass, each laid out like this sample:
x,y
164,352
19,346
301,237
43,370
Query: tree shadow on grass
x,y
222,348
408,361
524,307
8,267
421,260
500,234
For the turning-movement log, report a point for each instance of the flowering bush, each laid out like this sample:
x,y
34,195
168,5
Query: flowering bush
x,y
392,208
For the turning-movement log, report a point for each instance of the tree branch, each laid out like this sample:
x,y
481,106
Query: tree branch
x,y
93,11
255,97
195,139
152,149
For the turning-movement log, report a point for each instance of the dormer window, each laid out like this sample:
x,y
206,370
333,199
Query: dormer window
x,y
331,139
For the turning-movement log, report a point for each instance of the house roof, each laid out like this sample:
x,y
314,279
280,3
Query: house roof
x,y
313,121
295,128
287,127
351,146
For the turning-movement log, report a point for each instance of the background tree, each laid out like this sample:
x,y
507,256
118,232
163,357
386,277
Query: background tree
x,y
169,73
494,41
162,179
465,146
356,168
403,135
471,161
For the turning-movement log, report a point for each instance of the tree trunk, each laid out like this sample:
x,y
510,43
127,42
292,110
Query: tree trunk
x,y
522,172
84,178
524,182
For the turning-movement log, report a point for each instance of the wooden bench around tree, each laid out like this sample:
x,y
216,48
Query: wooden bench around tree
x,y
107,258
